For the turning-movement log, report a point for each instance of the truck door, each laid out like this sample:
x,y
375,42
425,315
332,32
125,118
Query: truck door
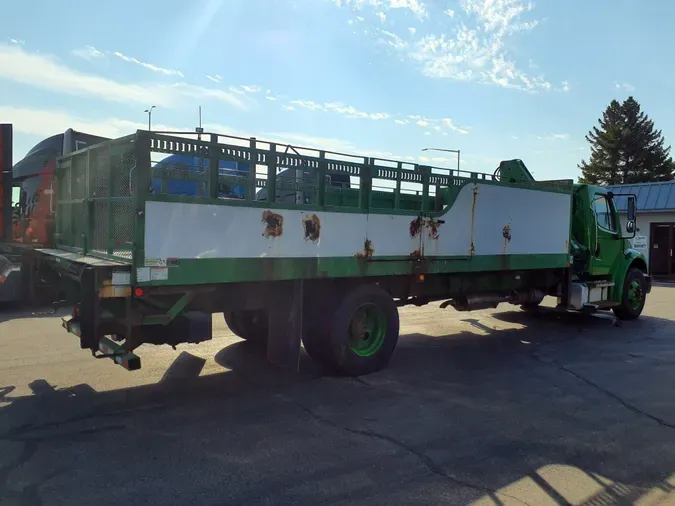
x,y
607,247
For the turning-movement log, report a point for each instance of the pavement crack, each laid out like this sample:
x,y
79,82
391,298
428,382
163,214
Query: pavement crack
x,y
612,395
428,463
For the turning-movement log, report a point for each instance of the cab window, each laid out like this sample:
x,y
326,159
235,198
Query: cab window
x,y
603,213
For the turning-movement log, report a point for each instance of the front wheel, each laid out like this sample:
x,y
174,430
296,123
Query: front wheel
x,y
633,297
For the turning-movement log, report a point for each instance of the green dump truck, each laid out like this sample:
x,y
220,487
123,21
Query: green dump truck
x,y
317,249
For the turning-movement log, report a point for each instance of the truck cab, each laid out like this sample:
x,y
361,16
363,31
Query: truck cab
x,y
607,271
29,221
34,176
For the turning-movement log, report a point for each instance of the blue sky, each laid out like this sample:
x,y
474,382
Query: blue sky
x,y
497,79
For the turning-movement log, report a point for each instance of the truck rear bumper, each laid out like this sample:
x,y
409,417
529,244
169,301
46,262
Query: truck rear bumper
x,y
108,348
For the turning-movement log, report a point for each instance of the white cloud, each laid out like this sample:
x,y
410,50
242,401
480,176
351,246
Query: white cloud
x,y
416,7
554,137
308,104
149,66
451,125
49,74
215,78
472,46
18,42
43,123
338,108
88,53
412,30
565,86
251,89
422,123
400,121
393,40
382,16
624,86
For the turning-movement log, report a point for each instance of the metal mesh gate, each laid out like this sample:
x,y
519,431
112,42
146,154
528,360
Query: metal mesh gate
x,y
96,199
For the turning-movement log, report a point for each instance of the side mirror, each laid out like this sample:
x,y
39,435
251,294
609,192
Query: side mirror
x,y
631,211
631,214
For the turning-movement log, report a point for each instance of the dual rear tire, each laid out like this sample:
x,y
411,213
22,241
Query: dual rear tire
x,y
350,332
353,334
250,325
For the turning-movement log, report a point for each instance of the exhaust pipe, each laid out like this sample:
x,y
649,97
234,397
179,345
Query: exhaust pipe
x,y
492,300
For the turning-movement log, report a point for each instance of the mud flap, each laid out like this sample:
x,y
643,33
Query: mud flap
x,y
285,326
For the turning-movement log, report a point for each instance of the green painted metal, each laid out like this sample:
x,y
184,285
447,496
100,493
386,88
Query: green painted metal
x,y
94,199
238,270
635,295
173,312
601,252
367,330
629,258
102,191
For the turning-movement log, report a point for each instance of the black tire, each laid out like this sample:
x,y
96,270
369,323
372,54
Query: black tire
x,y
318,311
341,353
251,325
634,283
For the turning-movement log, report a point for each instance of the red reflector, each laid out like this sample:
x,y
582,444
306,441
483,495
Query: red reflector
x,y
138,292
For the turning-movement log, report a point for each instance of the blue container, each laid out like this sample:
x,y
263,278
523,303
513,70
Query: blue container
x,y
197,164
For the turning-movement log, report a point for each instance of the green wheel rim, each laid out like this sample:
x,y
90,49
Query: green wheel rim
x,y
635,295
367,330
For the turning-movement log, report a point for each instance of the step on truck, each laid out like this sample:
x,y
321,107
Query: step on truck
x,y
316,249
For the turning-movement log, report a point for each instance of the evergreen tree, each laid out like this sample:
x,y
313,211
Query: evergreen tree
x,y
626,148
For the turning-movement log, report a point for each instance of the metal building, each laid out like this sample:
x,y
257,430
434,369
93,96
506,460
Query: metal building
x,y
655,236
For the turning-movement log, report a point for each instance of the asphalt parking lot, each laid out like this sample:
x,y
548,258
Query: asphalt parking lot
x,y
487,408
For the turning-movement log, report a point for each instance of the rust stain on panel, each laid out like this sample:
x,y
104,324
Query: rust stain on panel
x,y
415,255
506,234
472,247
368,250
419,224
416,226
274,224
434,225
312,226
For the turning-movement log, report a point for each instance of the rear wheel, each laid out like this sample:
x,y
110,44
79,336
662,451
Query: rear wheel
x,y
251,325
633,297
360,335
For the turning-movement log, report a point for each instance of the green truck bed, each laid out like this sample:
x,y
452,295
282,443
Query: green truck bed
x,y
388,216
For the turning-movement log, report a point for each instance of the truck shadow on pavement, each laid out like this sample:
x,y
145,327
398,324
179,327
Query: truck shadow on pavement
x,y
487,416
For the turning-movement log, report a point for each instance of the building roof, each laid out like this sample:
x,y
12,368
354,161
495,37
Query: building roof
x,y
658,196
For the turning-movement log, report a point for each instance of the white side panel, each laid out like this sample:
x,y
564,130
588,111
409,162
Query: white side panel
x,y
538,221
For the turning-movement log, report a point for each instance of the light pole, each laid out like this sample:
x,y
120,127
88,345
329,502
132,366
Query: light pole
x,y
149,111
447,151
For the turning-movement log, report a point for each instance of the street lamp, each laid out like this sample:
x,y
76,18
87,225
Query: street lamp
x,y
149,111
447,151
